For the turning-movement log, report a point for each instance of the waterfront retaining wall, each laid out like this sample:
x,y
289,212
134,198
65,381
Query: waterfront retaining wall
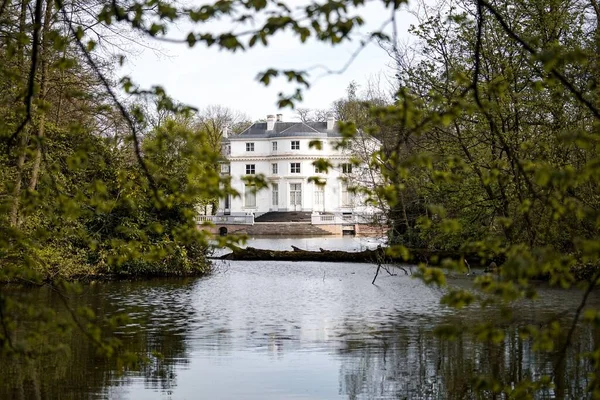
x,y
295,229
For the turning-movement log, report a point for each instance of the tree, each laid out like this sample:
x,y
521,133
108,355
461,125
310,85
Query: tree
x,y
355,107
497,129
309,115
214,120
83,193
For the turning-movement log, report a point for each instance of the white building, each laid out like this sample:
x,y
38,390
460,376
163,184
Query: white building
x,y
280,151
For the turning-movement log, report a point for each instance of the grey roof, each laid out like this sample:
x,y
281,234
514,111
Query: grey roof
x,y
289,129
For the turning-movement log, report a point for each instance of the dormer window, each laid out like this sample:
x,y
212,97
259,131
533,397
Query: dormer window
x,y
295,145
250,146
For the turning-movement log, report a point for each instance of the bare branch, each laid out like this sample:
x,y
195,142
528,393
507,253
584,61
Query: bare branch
x,y
37,26
120,106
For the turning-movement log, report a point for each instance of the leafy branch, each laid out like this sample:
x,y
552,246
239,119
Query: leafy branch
x,y
555,72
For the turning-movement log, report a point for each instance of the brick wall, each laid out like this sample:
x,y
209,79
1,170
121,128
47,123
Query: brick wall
x,y
371,230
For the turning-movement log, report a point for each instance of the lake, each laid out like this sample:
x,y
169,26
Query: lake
x,y
284,330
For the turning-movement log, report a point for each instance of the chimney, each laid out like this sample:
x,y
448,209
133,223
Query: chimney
x,y
330,122
279,117
270,122
226,131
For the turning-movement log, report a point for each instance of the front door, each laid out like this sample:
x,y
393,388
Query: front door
x,y
296,196
319,199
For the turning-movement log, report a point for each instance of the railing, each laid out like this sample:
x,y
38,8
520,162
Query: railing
x,y
340,219
330,219
227,219
324,218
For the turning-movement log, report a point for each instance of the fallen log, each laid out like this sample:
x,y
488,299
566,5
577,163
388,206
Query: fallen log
x,y
377,256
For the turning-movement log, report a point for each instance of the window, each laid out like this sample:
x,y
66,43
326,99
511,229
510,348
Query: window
x,y
274,169
295,145
295,168
225,168
249,146
346,168
318,171
227,208
274,146
275,194
347,196
250,169
250,196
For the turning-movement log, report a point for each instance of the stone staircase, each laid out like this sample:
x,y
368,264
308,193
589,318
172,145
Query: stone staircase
x,y
285,229
284,216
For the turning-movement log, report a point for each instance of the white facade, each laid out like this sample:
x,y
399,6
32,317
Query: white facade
x,y
283,155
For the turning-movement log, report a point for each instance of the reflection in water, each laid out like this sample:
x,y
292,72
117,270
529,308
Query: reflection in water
x,y
282,330
345,243
416,364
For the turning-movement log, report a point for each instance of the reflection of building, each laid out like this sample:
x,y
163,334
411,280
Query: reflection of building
x,y
284,152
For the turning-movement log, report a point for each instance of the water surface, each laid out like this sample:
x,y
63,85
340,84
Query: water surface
x,y
285,330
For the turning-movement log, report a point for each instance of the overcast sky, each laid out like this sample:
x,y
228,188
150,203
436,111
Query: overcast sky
x,y
201,76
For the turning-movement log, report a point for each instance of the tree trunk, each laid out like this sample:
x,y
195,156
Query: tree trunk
x,y
22,23
43,89
14,210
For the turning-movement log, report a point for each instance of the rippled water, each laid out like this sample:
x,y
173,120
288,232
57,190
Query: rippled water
x,y
283,330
